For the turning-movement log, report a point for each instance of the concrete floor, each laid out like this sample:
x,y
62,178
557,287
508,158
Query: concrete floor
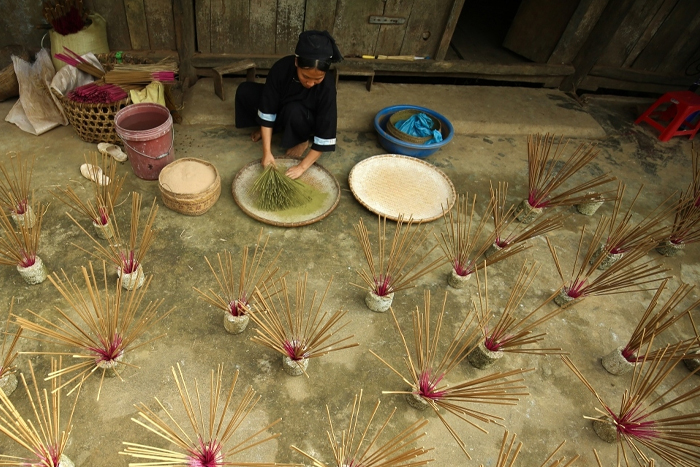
x,y
195,339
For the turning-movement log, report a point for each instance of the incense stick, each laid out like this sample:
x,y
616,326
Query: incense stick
x,y
627,273
205,443
293,330
8,354
395,268
236,300
100,208
427,372
460,243
545,176
642,420
508,231
15,184
351,450
47,435
20,248
275,191
127,256
507,455
511,334
108,324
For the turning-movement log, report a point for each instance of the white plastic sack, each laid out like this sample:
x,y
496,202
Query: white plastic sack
x,y
36,110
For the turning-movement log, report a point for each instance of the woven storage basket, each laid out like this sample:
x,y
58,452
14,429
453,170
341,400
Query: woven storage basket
x,y
404,115
194,204
9,87
94,123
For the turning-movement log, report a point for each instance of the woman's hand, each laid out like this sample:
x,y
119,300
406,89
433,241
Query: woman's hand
x,y
267,159
295,171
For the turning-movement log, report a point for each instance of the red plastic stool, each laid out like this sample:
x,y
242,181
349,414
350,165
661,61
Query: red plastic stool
x,y
685,104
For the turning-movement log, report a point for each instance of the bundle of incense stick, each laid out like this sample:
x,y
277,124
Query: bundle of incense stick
x,y
506,460
108,324
138,77
94,93
653,324
428,372
8,354
15,184
126,255
508,232
100,206
623,234
545,177
46,436
65,16
510,334
628,273
348,449
236,299
73,59
293,330
20,248
649,412
205,443
463,245
402,266
275,191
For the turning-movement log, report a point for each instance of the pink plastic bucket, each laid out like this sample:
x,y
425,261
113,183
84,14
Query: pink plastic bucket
x,y
147,132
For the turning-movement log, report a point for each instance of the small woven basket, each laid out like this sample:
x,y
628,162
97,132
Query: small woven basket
x,y
404,115
94,123
194,204
9,87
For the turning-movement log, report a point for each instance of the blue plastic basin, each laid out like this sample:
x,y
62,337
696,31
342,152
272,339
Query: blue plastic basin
x,y
397,146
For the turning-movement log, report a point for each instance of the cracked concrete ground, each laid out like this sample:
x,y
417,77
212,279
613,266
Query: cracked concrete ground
x,y
557,402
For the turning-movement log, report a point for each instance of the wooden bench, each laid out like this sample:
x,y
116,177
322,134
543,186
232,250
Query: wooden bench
x,y
369,73
236,67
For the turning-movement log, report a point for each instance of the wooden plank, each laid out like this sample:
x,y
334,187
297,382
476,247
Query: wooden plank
x,y
221,40
263,24
652,27
161,28
290,23
629,32
597,41
450,27
138,27
577,31
240,25
639,76
184,24
320,15
592,83
538,27
684,48
669,32
117,27
429,67
425,27
202,10
352,31
390,36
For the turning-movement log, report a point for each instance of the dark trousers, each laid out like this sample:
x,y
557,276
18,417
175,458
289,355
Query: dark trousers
x,y
294,120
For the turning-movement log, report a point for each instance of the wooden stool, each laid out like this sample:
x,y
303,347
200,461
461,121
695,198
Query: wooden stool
x,y
683,105
369,73
236,67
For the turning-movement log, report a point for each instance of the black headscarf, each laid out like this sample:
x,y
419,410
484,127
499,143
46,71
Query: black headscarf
x,y
317,45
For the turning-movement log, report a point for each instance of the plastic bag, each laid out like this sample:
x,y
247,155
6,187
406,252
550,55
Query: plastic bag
x,y
36,111
419,124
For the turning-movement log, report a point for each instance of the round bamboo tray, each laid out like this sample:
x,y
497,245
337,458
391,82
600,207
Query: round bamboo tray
x,y
393,185
189,186
316,176
404,115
